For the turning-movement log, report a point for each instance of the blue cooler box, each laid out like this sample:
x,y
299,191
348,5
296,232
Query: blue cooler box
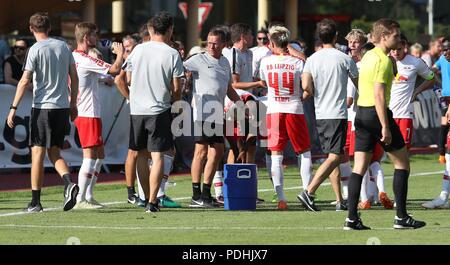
x,y
240,188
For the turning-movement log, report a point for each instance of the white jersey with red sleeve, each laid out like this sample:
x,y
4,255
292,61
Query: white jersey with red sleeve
x,y
89,69
282,74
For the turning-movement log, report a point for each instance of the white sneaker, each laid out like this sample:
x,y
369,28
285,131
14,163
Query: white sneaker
x,y
96,203
436,203
85,205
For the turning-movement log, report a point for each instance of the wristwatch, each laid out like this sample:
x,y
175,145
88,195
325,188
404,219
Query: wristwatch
x,y
13,107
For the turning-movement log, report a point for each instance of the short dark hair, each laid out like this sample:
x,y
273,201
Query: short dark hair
x,y
326,30
239,29
161,23
134,37
40,22
218,31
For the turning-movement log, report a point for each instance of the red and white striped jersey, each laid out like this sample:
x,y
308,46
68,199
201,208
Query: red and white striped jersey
x,y
282,74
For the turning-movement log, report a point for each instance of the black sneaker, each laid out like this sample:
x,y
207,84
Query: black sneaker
x,y
341,206
259,200
152,208
34,208
355,225
133,199
70,196
308,201
407,223
196,203
204,203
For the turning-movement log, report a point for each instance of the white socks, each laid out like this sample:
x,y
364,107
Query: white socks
x,y
304,163
346,172
446,179
84,177
277,176
90,188
378,174
218,183
364,184
269,165
168,162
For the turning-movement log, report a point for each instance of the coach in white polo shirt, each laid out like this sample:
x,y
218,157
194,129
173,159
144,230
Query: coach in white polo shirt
x,y
153,74
211,75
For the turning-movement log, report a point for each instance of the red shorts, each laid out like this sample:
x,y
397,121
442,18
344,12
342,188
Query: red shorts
x,y
89,131
378,153
351,151
349,136
406,128
282,127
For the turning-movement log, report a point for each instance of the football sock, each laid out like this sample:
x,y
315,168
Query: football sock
x,y
277,176
84,177
35,197
354,188
378,173
401,191
90,188
196,191
305,168
346,171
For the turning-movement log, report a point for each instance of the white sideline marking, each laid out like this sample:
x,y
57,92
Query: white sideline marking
x,y
186,198
166,228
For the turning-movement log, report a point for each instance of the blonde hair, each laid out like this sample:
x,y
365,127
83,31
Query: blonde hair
x,y
279,35
94,52
84,28
416,46
357,34
382,27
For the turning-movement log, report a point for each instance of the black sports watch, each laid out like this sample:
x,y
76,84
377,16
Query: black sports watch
x,y
13,107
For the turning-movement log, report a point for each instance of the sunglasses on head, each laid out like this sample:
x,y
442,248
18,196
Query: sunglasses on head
x,y
20,48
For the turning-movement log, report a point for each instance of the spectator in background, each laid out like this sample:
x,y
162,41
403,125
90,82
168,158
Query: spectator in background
x,y
13,66
144,34
433,53
416,50
4,53
261,50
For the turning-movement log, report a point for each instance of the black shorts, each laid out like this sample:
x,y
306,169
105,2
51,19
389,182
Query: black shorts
x,y
332,135
151,132
368,131
208,133
48,127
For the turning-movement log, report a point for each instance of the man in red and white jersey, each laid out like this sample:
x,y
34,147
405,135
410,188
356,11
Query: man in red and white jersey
x,y
408,67
88,122
285,118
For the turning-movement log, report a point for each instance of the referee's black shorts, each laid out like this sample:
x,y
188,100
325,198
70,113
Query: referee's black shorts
x,y
368,131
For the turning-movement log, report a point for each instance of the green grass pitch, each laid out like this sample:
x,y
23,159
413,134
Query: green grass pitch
x,y
122,223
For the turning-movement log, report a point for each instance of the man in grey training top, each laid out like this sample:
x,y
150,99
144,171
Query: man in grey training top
x,y
153,74
52,63
325,77
211,83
